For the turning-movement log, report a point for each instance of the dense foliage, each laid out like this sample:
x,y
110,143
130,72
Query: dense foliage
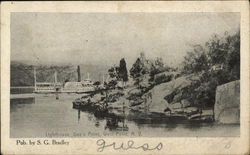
x,y
137,69
143,66
217,63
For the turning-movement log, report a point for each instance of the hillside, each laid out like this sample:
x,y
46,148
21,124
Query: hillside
x,y
22,74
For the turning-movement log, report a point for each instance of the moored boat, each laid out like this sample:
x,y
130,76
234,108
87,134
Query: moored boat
x,y
85,86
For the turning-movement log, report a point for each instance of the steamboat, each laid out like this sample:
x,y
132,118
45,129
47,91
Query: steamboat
x,y
82,86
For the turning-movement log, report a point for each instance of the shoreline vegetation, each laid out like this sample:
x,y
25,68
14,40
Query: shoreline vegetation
x,y
159,91
152,90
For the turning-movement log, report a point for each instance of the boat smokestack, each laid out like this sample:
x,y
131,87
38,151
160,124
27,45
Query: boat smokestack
x,y
35,78
79,73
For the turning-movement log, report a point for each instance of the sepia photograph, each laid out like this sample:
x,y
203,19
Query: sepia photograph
x,y
125,74
135,77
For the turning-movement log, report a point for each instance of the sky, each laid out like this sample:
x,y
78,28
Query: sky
x,y
105,38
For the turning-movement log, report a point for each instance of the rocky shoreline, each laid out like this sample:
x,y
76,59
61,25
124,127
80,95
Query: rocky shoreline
x,y
145,103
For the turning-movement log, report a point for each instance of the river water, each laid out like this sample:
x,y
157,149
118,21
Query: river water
x,y
54,116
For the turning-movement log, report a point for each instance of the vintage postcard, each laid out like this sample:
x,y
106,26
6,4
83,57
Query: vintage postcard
x,y
125,77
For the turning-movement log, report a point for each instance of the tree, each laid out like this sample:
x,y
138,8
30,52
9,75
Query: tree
x,y
159,63
157,67
123,73
113,73
137,69
196,61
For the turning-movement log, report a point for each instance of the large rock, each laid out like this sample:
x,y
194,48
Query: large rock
x,y
177,105
185,103
155,98
227,104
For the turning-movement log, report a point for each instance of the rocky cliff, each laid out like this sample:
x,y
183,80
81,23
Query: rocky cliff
x,y
155,99
227,104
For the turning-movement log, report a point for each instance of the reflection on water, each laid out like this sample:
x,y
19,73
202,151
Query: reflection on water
x,y
52,115
28,100
117,124
19,103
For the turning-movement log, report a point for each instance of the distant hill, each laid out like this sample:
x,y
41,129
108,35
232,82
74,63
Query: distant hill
x,y
22,74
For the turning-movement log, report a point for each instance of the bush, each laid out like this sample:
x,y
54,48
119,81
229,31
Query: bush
x,y
163,78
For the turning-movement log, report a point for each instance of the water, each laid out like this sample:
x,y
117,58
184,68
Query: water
x,y
53,116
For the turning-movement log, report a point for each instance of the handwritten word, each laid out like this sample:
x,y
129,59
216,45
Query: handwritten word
x,y
129,145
